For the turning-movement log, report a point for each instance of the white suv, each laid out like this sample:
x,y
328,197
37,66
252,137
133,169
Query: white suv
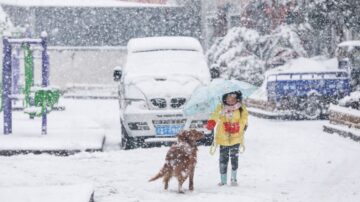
x,y
157,80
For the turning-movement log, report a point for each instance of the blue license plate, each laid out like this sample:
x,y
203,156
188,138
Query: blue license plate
x,y
169,130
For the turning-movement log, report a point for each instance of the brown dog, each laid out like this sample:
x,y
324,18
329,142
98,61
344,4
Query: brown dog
x,y
180,160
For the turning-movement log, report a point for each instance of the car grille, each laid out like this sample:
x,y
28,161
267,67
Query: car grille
x,y
177,102
158,103
161,103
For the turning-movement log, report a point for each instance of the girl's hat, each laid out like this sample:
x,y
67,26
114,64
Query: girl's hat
x,y
237,94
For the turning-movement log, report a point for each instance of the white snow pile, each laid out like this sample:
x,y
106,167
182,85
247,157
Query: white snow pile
x,y
346,110
244,54
301,64
163,43
33,110
352,98
350,44
58,193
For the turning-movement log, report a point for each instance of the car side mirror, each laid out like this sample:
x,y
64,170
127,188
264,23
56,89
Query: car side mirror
x,y
214,72
117,73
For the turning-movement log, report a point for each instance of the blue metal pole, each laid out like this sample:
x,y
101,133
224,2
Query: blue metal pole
x,y
6,80
45,75
16,72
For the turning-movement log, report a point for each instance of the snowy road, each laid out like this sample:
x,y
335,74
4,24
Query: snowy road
x,y
284,161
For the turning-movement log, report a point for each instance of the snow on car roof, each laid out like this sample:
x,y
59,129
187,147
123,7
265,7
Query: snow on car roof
x,y
76,3
349,43
304,65
163,43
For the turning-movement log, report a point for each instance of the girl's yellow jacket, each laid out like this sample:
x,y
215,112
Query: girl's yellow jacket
x,y
224,138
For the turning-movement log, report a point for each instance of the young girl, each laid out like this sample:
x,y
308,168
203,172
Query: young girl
x,y
231,118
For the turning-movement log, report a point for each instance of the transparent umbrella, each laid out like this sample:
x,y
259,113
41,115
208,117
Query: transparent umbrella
x,y
206,98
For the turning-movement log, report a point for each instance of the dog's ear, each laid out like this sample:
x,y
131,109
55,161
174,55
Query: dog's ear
x,y
182,136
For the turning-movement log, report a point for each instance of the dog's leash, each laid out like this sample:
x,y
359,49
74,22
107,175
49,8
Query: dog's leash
x,y
242,148
213,147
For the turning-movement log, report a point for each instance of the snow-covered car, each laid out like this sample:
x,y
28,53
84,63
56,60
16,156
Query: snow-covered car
x,y
157,80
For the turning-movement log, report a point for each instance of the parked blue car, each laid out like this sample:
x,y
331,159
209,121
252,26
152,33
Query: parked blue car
x,y
308,94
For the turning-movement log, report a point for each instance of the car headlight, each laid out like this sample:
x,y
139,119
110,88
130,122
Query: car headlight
x,y
136,103
138,126
135,97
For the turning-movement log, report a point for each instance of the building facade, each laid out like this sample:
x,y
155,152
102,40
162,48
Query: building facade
x,y
105,26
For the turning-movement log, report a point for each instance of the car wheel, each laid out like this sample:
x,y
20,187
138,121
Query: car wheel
x,y
311,109
126,141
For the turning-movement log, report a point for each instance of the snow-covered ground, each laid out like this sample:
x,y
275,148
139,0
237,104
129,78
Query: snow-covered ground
x,y
72,129
284,161
59,193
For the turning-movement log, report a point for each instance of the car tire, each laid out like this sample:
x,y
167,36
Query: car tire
x,y
126,141
311,109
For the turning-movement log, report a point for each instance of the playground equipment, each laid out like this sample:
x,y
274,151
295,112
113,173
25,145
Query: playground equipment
x,y
22,93
45,97
44,101
29,73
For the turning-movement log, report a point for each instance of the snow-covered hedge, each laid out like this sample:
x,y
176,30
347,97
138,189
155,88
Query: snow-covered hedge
x,y
351,101
244,54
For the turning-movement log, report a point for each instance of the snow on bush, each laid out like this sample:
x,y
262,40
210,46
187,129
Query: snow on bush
x,y
351,101
244,54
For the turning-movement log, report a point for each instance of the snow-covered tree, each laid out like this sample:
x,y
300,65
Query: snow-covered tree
x,y
332,20
245,54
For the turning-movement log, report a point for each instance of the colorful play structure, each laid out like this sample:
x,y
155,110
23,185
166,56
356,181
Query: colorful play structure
x,y
38,101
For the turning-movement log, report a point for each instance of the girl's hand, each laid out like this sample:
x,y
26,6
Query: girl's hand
x,y
210,125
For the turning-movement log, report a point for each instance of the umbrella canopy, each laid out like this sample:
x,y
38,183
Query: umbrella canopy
x,y
206,98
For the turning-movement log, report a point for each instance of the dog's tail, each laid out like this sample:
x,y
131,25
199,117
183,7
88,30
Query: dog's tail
x,y
159,175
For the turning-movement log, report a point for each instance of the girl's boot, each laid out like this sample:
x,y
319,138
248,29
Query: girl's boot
x,y
233,178
223,178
